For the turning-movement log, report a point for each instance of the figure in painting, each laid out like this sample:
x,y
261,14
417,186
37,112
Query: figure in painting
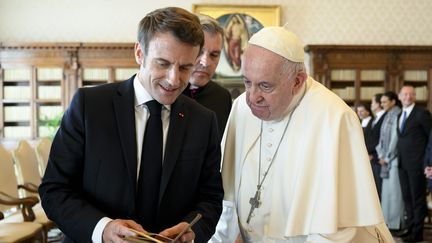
x,y
236,35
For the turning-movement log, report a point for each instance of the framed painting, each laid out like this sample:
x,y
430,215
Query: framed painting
x,y
240,22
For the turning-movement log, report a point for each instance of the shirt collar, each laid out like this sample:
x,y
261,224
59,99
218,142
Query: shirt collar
x,y
141,94
409,108
365,121
380,113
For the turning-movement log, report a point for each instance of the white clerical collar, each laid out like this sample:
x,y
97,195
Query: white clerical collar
x,y
141,94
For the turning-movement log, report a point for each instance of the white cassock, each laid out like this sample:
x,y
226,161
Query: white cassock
x,y
320,186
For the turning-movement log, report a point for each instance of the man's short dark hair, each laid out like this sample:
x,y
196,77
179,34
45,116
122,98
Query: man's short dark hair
x,y
184,25
377,98
210,25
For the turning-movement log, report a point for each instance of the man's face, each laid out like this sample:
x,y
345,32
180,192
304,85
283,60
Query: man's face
x,y
166,68
362,112
207,61
269,88
375,106
407,96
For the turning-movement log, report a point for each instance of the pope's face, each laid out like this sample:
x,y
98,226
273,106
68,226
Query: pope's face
x,y
208,59
269,88
166,68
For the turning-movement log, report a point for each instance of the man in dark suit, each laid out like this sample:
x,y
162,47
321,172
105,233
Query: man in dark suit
x,y
98,185
201,88
413,131
372,135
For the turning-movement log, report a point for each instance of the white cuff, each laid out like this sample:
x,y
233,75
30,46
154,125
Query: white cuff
x,y
98,230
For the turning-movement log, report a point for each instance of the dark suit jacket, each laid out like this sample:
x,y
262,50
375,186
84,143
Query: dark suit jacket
x,y
412,142
372,135
216,98
92,167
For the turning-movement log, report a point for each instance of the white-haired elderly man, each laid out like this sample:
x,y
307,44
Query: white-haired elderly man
x,y
295,167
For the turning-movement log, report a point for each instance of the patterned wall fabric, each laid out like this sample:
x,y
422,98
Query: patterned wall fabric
x,y
392,22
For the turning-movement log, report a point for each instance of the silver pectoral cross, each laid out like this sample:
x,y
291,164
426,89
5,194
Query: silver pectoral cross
x,y
255,202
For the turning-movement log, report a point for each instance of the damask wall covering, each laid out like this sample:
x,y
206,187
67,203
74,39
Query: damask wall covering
x,y
381,22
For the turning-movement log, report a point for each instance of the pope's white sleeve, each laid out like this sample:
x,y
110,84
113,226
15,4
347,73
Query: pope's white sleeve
x,y
227,227
345,235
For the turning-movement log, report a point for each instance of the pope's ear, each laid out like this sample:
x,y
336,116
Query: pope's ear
x,y
298,82
139,54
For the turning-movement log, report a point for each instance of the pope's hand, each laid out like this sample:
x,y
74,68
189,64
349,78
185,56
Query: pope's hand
x,y
172,232
116,230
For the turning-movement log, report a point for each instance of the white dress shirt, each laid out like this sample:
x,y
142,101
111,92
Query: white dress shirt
x,y
141,116
378,116
365,121
408,111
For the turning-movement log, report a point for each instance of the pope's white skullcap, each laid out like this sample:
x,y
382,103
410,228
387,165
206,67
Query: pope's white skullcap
x,y
280,41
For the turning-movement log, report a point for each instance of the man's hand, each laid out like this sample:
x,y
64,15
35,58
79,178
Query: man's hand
x,y
172,232
239,239
116,230
428,172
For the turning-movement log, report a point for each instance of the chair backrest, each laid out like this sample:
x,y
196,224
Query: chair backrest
x,y
8,179
43,148
27,164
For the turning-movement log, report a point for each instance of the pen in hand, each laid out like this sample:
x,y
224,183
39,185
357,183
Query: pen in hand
x,y
187,228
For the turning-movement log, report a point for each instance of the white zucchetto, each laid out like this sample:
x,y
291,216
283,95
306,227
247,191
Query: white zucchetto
x,y
280,41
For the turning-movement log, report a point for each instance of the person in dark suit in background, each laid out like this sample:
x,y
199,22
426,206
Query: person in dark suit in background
x,y
365,115
373,139
201,88
413,131
372,135
98,185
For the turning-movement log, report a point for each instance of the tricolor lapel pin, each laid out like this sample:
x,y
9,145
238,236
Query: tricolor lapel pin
x,y
181,114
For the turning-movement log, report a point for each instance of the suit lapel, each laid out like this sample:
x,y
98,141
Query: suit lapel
x,y
176,132
125,115
409,119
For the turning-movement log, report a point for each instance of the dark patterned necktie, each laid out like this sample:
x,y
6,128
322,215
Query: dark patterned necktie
x,y
150,169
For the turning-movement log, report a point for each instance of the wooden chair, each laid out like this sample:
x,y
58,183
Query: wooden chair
x,y
27,168
42,149
20,232
21,228
10,188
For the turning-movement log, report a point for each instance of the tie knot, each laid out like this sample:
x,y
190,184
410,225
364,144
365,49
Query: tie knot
x,y
154,107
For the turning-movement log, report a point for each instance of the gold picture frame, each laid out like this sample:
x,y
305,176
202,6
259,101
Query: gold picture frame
x,y
239,22
268,15
252,18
